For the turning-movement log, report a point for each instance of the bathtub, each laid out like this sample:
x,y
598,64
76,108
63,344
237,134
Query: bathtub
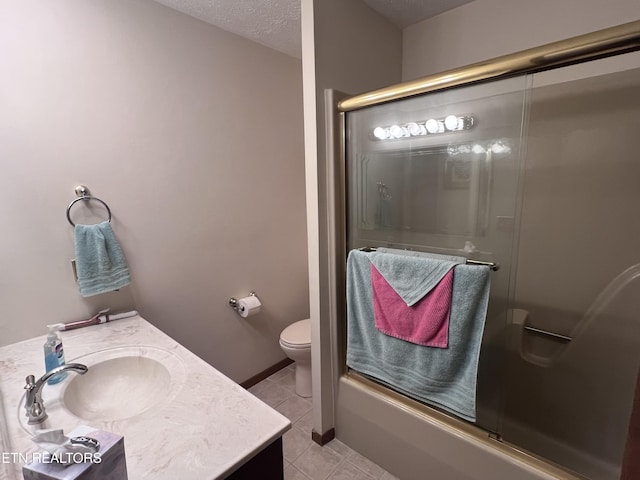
x,y
415,442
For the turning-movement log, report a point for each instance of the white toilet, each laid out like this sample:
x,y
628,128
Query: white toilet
x,y
295,341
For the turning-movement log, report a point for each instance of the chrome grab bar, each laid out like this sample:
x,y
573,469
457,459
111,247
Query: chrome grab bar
x,y
559,336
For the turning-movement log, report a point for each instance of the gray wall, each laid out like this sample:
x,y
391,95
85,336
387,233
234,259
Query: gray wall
x,y
485,29
192,135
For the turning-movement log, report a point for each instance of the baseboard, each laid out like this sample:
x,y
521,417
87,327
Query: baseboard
x,y
266,373
324,438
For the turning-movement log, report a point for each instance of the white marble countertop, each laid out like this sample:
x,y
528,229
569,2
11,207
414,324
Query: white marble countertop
x,y
205,427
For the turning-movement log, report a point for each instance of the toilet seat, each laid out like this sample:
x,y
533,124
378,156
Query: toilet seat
x,y
297,335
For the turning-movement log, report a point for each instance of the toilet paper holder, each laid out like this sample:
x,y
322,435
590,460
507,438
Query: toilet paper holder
x,y
233,302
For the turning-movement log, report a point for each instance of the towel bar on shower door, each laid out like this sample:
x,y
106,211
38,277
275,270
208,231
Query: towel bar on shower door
x,y
492,265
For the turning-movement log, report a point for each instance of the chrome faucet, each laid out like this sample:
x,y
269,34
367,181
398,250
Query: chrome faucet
x,y
33,402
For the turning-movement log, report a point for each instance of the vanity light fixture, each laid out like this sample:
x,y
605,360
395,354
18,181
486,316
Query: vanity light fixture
x,y
432,126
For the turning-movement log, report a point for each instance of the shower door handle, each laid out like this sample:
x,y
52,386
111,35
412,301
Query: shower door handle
x,y
558,336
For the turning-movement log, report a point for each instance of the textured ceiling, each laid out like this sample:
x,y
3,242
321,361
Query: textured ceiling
x,y
407,12
276,23
273,23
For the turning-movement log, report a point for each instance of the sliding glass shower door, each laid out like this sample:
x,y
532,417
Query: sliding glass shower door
x,y
575,345
439,173
540,175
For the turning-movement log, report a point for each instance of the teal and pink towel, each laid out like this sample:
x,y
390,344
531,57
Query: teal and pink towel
x,y
442,377
426,322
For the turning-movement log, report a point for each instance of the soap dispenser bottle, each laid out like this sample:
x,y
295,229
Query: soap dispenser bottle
x,y
54,353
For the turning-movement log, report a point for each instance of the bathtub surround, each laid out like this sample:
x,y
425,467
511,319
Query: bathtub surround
x,y
193,134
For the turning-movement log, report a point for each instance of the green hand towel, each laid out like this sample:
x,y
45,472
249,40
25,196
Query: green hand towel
x,y
100,262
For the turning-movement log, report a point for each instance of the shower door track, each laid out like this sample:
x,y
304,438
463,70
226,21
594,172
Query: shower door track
x,y
611,41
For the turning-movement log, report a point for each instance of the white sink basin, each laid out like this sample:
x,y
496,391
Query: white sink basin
x,y
122,383
99,392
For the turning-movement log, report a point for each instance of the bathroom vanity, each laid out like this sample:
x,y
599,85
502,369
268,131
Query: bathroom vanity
x,y
179,416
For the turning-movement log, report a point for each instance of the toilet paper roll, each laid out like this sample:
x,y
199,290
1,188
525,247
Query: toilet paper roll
x,y
249,306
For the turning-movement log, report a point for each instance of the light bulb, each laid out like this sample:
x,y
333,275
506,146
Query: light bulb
x,y
433,126
500,147
380,133
415,129
452,123
396,131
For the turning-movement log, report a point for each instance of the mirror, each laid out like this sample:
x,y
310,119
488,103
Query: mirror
x,y
439,190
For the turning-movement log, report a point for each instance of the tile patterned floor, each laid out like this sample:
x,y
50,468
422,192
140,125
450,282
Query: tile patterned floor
x,y
303,458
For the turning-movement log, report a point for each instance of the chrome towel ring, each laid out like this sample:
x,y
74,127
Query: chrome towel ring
x,y
83,194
